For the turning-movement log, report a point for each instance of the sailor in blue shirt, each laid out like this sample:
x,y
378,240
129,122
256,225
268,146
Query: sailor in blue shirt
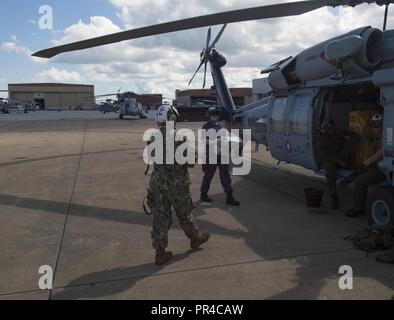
x,y
210,169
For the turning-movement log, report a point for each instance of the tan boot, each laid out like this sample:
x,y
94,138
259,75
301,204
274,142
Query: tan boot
x,y
162,256
200,240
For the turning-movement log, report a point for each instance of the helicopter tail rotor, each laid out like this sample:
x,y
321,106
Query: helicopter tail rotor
x,y
118,94
206,48
206,52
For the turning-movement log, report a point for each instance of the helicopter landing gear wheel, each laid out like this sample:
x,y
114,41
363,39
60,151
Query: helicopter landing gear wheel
x,y
380,207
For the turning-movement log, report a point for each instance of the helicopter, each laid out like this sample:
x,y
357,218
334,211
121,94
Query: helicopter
x,y
107,106
104,106
7,105
4,106
353,72
126,104
129,106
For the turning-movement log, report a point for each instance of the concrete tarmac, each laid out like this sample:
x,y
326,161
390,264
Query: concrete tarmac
x,y
71,192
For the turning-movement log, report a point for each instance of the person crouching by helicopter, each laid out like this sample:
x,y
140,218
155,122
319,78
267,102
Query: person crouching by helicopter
x,y
169,187
210,169
372,176
337,148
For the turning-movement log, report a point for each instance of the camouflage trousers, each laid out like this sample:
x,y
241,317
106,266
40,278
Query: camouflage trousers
x,y
168,192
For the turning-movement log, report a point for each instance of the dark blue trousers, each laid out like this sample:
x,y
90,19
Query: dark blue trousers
x,y
209,173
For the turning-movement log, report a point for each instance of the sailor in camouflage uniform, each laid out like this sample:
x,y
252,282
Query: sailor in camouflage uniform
x,y
169,188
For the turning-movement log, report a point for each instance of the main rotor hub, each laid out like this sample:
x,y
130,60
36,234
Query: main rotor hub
x,y
217,58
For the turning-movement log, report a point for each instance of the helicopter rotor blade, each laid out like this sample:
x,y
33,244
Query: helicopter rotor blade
x,y
217,37
205,75
198,69
255,13
386,13
209,35
208,38
106,95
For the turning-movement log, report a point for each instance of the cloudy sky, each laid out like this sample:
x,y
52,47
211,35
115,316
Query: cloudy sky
x,y
162,63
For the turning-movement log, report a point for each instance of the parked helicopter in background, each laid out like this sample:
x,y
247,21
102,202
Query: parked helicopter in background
x,y
351,73
108,106
131,107
4,106
124,104
28,106
14,106
8,105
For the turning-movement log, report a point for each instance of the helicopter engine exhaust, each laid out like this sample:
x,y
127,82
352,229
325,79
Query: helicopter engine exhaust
x,y
356,53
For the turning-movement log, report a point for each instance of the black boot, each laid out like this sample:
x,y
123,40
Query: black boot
x,y
335,203
231,201
205,198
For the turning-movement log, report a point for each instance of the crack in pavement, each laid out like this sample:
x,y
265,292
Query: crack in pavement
x,y
69,205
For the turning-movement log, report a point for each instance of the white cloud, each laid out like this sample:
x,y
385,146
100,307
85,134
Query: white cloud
x,y
15,46
97,26
58,75
166,62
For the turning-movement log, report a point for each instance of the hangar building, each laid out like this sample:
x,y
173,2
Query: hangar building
x,y
54,95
